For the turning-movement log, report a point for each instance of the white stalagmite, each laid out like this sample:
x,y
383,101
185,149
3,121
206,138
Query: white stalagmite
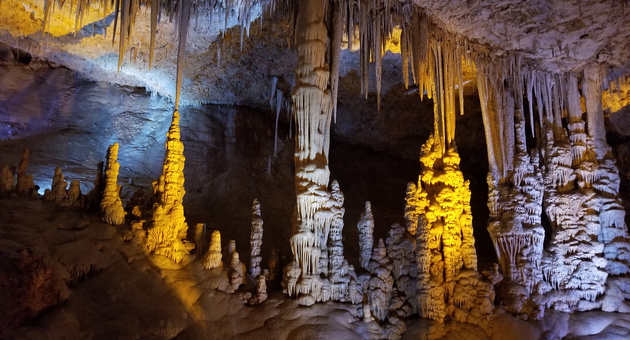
x,y
400,249
112,211
366,238
381,283
214,255
339,271
256,240
167,233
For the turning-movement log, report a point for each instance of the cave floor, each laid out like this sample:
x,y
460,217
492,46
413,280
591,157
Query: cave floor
x,y
113,289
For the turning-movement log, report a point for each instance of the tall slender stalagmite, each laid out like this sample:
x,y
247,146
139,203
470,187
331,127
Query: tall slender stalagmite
x,y
112,211
166,235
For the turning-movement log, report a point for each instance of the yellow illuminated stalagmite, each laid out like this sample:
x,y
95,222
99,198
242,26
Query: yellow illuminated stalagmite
x,y
112,211
168,230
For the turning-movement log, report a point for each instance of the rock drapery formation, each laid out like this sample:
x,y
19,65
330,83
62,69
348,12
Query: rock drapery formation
x,y
167,232
112,211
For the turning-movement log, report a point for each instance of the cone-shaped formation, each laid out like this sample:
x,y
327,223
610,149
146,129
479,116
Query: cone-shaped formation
x,y
112,211
214,255
255,240
167,233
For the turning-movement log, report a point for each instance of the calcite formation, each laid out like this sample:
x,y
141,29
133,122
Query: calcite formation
x,y
57,192
167,232
366,238
236,271
381,283
255,240
214,255
112,211
313,112
7,180
340,272
444,243
25,185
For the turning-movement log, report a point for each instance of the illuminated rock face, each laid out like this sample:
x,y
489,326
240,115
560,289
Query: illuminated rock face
x,y
167,233
112,211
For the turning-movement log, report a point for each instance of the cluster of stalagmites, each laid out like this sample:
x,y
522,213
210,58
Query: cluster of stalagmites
x,y
24,186
570,175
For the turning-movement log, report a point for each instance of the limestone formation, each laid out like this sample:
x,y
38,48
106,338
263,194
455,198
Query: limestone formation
x,y
236,271
381,283
366,240
167,232
57,192
261,291
400,249
74,192
444,241
7,180
340,272
256,240
112,211
201,239
214,255
313,112
25,185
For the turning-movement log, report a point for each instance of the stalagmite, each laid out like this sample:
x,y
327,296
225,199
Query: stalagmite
x,y
261,291
7,180
167,232
444,244
57,192
256,240
380,284
236,271
214,255
112,211
25,185
366,240
74,192
340,272
400,249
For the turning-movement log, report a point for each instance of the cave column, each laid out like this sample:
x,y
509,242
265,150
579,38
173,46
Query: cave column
x,y
313,112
